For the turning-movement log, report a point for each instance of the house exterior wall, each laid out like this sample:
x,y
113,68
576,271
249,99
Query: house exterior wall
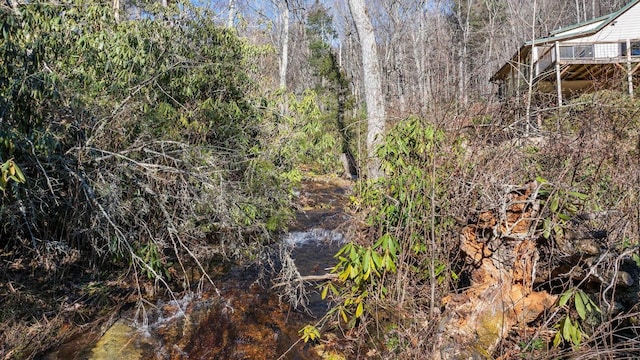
x,y
626,26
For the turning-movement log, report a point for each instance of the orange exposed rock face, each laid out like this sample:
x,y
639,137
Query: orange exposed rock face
x,y
501,295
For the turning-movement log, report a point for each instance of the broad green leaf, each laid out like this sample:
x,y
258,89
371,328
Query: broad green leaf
x,y
389,264
576,334
366,260
377,260
366,275
354,272
553,207
582,312
578,195
344,275
343,250
343,314
565,297
359,310
567,328
564,216
380,241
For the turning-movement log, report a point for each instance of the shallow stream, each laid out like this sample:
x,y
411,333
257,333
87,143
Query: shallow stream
x,y
248,320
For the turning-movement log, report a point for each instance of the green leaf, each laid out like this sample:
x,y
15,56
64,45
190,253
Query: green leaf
x,y
377,260
565,297
344,275
546,233
541,180
578,195
582,312
553,207
366,260
591,306
567,328
564,216
578,337
575,333
389,265
343,314
359,310
454,276
354,272
380,241
636,259
20,175
557,339
325,290
346,248
334,290
366,275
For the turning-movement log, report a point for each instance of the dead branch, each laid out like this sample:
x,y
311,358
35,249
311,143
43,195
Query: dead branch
x,y
307,278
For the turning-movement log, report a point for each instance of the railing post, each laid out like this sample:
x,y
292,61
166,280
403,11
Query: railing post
x,y
629,71
558,77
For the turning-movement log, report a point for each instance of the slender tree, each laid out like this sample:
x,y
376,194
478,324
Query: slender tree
x,y
232,13
284,59
374,98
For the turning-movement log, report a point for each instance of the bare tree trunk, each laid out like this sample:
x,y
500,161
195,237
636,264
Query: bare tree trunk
x,y
418,56
116,10
284,60
463,46
376,116
232,13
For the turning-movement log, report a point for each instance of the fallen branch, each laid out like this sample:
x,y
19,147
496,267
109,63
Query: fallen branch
x,y
307,278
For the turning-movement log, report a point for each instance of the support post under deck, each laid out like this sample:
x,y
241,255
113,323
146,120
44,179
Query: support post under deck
x,y
558,75
629,71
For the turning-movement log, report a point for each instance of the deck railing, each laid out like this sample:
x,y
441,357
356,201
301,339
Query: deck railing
x,y
596,51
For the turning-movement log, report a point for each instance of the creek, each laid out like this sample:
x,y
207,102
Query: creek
x,y
248,320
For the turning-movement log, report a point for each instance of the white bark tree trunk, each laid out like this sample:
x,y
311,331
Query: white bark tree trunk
x,y
374,98
284,59
116,9
232,13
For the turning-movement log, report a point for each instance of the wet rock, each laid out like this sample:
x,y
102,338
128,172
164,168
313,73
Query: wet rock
x,y
121,341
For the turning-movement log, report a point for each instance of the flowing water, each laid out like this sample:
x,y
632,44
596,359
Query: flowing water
x,y
248,320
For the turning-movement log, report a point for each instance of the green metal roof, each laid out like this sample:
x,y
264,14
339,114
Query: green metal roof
x,y
575,26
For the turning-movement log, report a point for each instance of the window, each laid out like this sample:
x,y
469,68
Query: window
x,y
566,52
635,48
576,52
583,51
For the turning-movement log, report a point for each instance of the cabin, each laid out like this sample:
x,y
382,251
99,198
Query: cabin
x,y
600,53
